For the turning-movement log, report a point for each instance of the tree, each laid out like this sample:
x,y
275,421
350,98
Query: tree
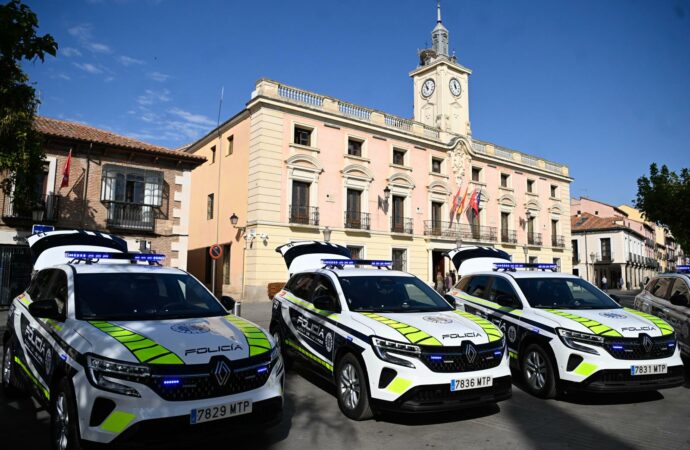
x,y
21,151
664,197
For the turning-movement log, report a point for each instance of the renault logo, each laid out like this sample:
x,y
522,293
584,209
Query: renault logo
x,y
222,373
647,343
470,353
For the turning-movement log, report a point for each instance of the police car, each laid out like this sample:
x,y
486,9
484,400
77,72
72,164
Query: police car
x,y
118,350
563,330
386,339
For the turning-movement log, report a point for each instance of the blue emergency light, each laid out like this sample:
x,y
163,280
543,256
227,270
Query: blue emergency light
x,y
683,269
134,257
172,382
513,266
357,262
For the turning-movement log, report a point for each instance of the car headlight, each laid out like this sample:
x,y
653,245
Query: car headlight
x,y
386,350
573,339
102,372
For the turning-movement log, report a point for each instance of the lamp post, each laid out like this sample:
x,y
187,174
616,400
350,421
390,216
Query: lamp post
x,y
526,250
327,234
592,258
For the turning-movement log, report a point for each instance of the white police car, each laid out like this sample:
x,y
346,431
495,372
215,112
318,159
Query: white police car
x,y
385,338
563,330
119,351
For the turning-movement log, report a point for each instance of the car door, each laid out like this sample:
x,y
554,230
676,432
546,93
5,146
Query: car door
x,y
658,300
679,312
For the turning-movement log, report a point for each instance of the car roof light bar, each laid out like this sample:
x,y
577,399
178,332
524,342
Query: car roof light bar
x,y
340,263
512,267
683,269
91,257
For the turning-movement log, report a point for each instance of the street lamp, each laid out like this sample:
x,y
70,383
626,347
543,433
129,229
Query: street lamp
x,y
234,219
592,258
327,234
387,193
526,250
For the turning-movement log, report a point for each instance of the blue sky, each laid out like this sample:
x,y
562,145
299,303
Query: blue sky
x,y
603,86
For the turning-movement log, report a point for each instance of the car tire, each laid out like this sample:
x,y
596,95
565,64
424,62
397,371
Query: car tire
x,y
352,389
64,426
538,371
280,342
11,385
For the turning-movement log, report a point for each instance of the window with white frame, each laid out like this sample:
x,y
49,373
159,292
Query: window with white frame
x,y
399,156
399,257
130,185
436,165
302,135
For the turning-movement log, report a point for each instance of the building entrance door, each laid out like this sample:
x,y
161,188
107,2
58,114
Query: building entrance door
x,y
438,264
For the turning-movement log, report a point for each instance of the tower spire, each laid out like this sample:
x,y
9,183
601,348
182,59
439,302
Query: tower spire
x,y
438,11
439,36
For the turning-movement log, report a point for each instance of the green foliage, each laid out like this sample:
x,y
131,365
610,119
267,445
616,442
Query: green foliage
x,y
664,197
21,152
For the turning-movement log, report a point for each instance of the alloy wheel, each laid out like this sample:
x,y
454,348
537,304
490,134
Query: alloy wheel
x,y
61,422
350,390
536,370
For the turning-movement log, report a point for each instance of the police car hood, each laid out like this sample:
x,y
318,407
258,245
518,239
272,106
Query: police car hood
x,y
604,322
472,259
426,328
193,341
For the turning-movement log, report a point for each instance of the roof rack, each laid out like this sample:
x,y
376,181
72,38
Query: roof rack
x,y
94,257
341,263
512,267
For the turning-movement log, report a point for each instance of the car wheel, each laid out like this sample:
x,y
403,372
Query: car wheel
x,y
64,428
11,386
280,343
352,389
537,371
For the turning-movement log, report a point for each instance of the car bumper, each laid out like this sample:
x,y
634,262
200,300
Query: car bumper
x,y
621,381
127,418
398,388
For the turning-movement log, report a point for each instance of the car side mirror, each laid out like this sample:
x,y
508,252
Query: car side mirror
x,y
615,297
45,309
451,301
228,302
679,300
325,303
507,300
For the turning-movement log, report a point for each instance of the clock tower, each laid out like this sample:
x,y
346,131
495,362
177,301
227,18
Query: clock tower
x,y
441,85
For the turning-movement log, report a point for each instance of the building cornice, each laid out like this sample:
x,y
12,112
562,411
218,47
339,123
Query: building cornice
x,y
441,61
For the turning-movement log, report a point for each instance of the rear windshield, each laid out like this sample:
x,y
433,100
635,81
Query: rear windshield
x,y
564,293
142,296
391,294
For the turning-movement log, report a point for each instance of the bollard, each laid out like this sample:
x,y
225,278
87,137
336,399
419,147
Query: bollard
x,y
238,309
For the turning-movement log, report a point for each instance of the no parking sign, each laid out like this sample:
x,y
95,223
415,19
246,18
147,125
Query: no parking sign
x,y
215,251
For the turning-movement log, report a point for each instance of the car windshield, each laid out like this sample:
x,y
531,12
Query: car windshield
x,y
393,294
564,293
142,296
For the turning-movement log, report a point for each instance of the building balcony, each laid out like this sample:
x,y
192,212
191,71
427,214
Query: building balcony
x,y
603,258
402,225
130,216
356,220
534,239
558,241
44,210
509,236
304,215
461,232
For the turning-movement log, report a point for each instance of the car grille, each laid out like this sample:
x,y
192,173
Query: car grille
x,y
622,380
466,358
441,394
218,378
634,348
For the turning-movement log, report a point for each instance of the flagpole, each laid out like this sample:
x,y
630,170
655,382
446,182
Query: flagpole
x,y
220,163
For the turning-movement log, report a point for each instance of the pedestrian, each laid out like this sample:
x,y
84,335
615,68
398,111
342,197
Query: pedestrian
x,y
621,283
604,283
452,277
447,283
439,283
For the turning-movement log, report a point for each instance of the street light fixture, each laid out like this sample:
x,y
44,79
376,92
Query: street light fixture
x,y
526,250
327,234
387,193
234,219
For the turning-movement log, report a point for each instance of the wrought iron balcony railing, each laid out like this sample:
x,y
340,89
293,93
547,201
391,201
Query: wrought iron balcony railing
x,y
509,236
130,216
464,232
558,241
402,225
304,215
45,209
534,239
357,220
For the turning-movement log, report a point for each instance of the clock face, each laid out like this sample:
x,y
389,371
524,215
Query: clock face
x,y
455,87
428,88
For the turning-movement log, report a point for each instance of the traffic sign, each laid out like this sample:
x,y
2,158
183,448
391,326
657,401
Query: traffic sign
x,y
215,251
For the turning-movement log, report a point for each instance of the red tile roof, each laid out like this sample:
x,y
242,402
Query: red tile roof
x,y
81,132
590,222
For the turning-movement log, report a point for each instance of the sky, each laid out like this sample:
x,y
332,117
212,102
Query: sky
x,y
602,86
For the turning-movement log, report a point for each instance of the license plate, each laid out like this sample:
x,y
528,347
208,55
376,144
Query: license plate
x,y
648,369
217,412
471,383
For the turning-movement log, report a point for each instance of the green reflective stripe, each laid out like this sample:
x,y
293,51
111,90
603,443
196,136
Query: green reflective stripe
x,y
143,348
399,385
50,322
513,355
411,333
492,305
594,326
117,421
585,369
256,339
46,392
491,330
663,326
25,300
309,354
291,298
